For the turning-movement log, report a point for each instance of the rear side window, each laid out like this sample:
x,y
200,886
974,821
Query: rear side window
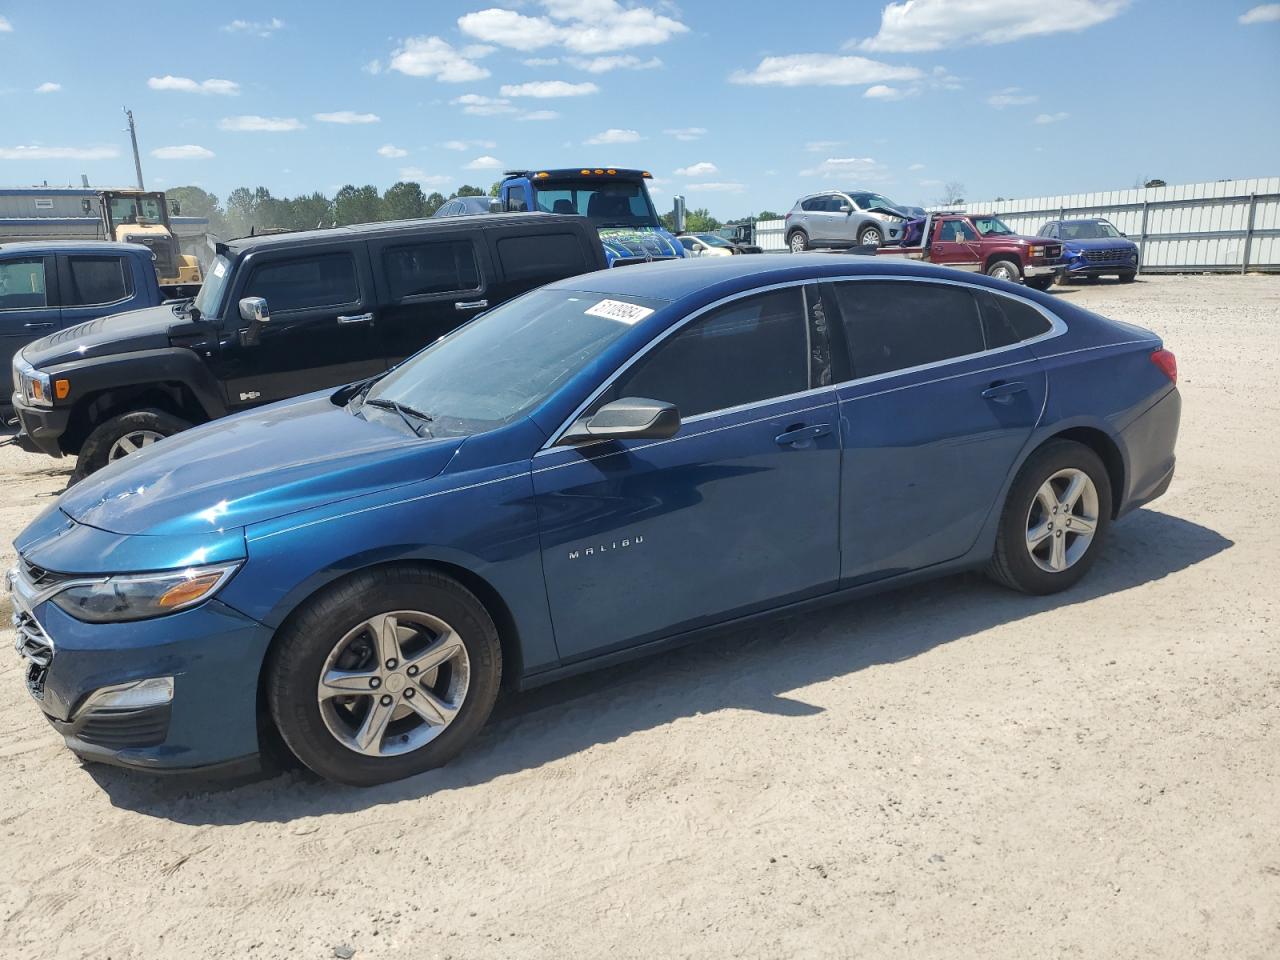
x,y
22,284
546,257
814,204
893,325
1006,321
97,280
747,351
323,281
439,266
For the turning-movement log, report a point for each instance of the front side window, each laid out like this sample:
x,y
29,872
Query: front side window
x,y
22,284
439,266
747,351
894,325
96,280
328,280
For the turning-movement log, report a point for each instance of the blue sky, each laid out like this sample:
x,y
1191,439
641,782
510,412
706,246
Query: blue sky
x,y
738,104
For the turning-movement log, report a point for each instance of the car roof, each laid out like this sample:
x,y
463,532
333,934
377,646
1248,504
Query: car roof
x,y
360,231
71,246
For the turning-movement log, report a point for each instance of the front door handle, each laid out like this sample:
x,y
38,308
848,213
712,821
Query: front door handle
x,y
356,318
471,304
38,326
1004,391
801,434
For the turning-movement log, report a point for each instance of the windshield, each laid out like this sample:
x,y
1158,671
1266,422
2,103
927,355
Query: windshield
x,y
209,299
608,203
867,200
992,225
503,364
1088,230
711,240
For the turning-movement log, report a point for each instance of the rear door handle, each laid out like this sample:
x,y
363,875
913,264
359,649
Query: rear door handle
x,y
38,326
356,318
1003,391
794,436
471,304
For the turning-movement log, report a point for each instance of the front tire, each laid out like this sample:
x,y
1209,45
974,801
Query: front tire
x,y
386,674
1039,283
1127,277
1005,270
798,242
122,435
1054,520
870,237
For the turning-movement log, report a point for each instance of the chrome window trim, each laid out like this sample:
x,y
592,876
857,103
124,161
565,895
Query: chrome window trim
x,y
1057,327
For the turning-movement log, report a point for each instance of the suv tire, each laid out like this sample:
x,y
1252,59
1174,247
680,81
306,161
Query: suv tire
x,y
870,236
798,241
1127,277
352,633
123,434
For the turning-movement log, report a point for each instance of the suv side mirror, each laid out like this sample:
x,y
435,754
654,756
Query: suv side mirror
x,y
254,309
845,208
631,418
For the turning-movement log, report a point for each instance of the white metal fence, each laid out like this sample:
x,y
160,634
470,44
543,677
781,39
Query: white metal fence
x,y
1226,226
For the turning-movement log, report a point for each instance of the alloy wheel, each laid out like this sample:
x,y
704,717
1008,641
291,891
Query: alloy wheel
x,y
872,238
1062,520
132,442
393,683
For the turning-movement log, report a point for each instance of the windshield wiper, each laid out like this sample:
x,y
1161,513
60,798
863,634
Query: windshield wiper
x,y
405,411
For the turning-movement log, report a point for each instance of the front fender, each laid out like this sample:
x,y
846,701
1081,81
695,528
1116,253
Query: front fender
x,y
91,375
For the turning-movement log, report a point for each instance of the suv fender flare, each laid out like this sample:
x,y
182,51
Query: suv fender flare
x,y
91,375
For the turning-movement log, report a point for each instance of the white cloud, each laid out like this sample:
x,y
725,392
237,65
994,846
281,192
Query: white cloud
x,y
433,57
625,61
541,61
703,169
686,133
392,152
256,124
821,146
850,170
485,163
1263,13
468,144
49,87
374,66
347,116
884,92
615,135
822,69
1051,117
539,115
418,175
34,152
912,26
259,28
481,106
1011,97
5,26
544,89
581,26
716,187
225,88
916,166
187,151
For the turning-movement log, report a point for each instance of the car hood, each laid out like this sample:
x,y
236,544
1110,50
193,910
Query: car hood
x,y
1103,243
253,467
639,242
145,329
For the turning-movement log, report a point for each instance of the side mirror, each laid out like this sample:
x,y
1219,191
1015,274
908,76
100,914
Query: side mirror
x,y
631,418
495,205
254,309
845,208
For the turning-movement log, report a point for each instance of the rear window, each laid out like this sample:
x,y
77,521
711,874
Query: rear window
x,y
439,266
97,280
545,257
328,280
1006,321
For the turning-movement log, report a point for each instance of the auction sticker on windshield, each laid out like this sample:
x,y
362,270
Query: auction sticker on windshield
x,y
619,310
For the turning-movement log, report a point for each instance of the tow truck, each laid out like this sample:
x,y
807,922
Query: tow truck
x,y
978,243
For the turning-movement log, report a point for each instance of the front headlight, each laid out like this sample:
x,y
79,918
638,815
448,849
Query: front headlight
x,y
1037,251
33,386
140,596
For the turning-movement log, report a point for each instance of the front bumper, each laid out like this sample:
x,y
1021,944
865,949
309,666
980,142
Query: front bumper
x,y
1081,266
1039,269
40,427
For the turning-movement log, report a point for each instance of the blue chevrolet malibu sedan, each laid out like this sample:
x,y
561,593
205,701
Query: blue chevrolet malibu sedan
x,y
601,468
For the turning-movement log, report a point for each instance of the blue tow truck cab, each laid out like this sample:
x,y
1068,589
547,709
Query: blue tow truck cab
x,y
614,199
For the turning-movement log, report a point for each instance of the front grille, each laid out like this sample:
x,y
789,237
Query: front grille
x,y
125,729
34,645
1052,250
39,577
1109,255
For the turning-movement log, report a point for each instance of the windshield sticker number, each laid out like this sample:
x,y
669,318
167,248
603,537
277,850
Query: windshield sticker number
x,y
628,313
219,269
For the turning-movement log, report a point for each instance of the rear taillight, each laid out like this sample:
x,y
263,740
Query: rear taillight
x,y
1167,362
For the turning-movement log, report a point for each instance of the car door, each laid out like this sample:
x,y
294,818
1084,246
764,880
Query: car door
x,y
429,283
28,305
827,219
848,219
956,244
939,403
322,330
95,285
737,512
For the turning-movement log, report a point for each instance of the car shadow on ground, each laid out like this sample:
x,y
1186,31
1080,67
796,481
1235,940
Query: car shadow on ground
x,y
750,668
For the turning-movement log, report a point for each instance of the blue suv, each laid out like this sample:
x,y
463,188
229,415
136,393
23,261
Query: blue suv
x,y
601,468
1093,248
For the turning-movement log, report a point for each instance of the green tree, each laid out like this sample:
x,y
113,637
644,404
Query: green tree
x,y
434,203
196,202
467,190
496,189
768,215
404,201
357,205
700,221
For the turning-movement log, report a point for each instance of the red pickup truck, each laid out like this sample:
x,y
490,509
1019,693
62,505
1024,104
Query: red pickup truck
x,y
981,244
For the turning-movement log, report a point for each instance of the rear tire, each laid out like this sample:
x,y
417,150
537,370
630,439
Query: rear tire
x,y
1054,521
1005,270
336,635
798,242
123,434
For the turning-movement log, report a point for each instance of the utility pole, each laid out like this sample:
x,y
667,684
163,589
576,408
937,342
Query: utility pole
x,y
133,137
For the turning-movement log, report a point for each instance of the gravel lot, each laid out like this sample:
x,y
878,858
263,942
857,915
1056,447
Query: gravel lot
x,y
950,770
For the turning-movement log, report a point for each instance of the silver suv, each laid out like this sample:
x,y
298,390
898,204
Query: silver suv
x,y
839,218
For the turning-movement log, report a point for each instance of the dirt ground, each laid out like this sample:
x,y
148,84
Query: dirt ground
x,y
949,770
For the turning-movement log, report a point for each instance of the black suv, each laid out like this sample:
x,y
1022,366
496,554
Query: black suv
x,y
278,316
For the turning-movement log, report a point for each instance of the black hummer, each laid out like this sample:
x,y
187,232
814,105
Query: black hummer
x,y
278,316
